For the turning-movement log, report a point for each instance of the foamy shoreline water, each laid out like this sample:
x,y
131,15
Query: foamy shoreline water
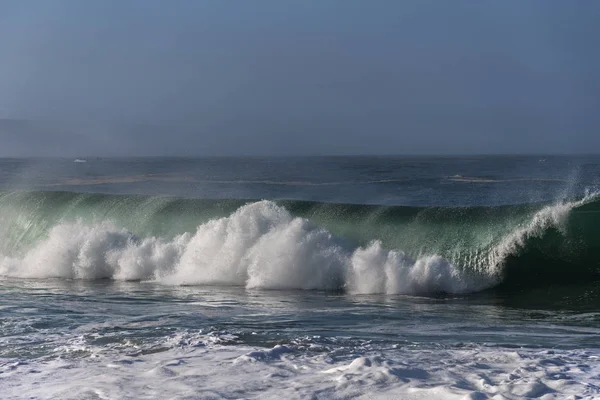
x,y
113,340
208,371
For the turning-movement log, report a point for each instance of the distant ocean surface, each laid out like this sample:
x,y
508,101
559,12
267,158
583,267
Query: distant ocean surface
x,y
474,277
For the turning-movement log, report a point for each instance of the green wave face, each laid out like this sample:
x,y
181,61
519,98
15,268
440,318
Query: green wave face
x,y
514,246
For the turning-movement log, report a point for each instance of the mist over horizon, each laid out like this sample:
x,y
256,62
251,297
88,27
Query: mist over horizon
x,y
146,78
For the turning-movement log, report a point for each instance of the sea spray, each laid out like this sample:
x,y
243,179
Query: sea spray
x,y
263,245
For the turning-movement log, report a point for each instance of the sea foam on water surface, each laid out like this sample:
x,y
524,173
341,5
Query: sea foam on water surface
x,y
219,372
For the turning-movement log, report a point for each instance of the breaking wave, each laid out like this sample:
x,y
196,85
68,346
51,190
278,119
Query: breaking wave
x,y
297,245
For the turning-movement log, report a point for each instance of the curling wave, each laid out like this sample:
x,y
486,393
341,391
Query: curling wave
x,y
297,245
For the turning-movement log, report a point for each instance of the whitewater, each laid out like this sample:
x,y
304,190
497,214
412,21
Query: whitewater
x,y
259,246
262,245
115,284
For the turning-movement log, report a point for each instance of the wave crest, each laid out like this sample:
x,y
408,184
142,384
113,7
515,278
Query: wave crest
x,y
262,245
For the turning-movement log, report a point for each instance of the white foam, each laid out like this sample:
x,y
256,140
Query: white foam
x,y
215,371
264,355
555,216
375,270
261,245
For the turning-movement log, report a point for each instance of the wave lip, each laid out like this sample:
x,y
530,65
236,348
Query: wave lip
x,y
263,245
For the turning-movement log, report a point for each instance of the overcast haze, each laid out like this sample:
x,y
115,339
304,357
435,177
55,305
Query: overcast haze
x,y
263,77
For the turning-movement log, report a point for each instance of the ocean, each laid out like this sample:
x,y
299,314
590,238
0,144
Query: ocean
x,y
473,277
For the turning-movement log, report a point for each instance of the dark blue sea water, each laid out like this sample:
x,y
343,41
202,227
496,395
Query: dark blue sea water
x,y
324,277
419,181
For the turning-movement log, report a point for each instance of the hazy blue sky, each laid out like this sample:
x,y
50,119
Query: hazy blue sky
x,y
299,77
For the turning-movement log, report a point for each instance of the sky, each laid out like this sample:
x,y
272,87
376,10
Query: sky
x,y
283,77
